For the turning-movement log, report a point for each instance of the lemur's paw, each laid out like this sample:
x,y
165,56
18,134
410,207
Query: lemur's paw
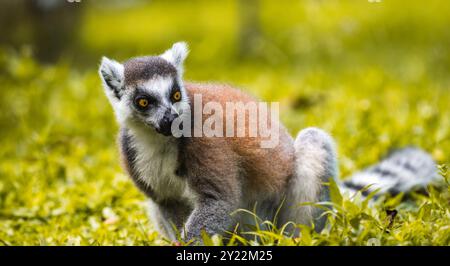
x,y
176,243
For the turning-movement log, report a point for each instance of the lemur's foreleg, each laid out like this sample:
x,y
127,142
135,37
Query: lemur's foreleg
x,y
169,217
315,164
212,216
216,183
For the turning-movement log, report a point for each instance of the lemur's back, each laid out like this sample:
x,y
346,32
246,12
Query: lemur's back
x,y
262,169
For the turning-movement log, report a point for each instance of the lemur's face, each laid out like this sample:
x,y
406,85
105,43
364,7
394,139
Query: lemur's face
x,y
156,102
147,91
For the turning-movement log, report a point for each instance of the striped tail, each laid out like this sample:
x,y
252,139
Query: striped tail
x,y
403,170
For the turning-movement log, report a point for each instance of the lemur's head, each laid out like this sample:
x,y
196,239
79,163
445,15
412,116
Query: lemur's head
x,y
147,91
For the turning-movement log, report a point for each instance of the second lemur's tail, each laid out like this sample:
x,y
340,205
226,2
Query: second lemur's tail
x,y
403,170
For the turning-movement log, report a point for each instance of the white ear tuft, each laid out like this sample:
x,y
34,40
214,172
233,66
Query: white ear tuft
x,y
177,54
112,74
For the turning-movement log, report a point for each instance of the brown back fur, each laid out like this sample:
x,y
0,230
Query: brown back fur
x,y
261,170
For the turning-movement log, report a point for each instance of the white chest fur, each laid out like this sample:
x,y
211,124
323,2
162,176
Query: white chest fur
x,y
156,163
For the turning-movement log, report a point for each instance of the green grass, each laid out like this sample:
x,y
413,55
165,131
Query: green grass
x,y
374,75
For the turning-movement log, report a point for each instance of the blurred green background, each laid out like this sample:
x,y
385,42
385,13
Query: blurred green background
x,y
375,74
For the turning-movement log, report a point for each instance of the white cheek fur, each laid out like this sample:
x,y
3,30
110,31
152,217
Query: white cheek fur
x,y
121,110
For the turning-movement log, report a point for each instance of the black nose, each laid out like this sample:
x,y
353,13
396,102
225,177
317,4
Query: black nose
x,y
166,123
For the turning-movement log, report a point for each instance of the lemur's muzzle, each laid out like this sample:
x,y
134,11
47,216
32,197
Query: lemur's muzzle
x,y
165,124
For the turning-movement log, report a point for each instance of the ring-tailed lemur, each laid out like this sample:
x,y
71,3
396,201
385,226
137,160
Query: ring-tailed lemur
x,y
195,183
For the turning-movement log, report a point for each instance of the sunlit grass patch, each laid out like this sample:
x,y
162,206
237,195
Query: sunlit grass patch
x,y
374,75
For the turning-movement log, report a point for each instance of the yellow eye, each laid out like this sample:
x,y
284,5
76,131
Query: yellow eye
x,y
176,96
143,102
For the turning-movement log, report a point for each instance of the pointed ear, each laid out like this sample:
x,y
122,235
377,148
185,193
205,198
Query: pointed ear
x,y
176,55
112,75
